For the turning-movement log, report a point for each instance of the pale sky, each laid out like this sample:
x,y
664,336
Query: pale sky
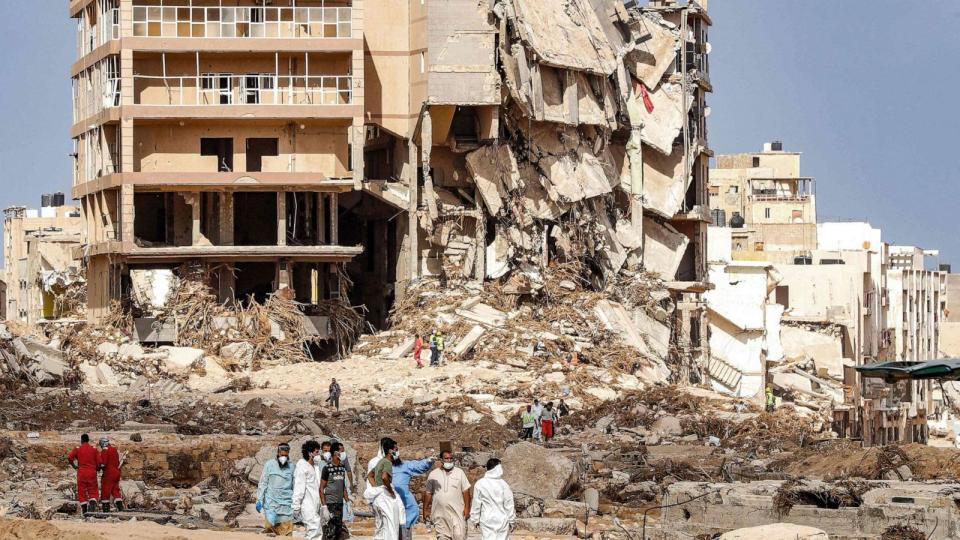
x,y
864,88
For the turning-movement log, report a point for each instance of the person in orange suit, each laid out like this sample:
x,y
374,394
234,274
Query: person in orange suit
x,y
85,459
110,479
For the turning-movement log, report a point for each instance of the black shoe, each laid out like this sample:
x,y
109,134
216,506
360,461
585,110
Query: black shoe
x,y
92,506
120,507
84,508
104,506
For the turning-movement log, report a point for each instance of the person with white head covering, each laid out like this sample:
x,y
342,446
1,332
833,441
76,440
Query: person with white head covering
x,y
306,491
492,509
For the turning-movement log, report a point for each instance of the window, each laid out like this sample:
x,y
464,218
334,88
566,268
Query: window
x,y
423,63
766,213
257,149
734,190
216,88
783,296
756,161
253,85
220,147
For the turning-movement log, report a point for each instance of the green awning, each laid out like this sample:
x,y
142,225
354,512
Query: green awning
x,y
947,369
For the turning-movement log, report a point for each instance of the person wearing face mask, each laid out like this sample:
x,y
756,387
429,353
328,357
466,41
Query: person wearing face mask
x,y
333,492
306,491
403,472
326,456
492,509
446,499
275,493
388,511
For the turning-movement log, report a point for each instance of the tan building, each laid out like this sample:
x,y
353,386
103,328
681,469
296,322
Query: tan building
x,y
765,198
38,253
231,134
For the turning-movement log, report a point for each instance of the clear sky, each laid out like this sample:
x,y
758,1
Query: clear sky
x,y
864,88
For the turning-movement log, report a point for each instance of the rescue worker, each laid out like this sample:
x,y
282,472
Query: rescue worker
x,y
547,418
436,348
275,493
492,509
446,500
771,401
537,413
110,477
306,492
417,349
403,471
528,422
85,460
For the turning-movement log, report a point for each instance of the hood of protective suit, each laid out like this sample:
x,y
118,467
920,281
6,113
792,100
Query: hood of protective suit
x,y
496,473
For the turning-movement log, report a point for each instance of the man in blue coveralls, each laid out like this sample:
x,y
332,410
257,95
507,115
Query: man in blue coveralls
x,y
402,474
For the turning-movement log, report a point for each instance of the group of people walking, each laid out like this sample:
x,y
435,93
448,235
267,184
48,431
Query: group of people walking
x,y
436,344
317,492
88,461
540,421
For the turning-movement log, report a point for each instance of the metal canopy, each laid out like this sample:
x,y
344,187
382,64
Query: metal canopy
x,y
947,369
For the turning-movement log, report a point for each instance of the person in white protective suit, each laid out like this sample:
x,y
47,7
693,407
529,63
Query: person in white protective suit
x,y
388,511
492,508
306,492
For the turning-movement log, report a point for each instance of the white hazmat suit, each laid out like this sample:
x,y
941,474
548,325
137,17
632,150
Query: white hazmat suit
x,y
306,499
388,512
492,508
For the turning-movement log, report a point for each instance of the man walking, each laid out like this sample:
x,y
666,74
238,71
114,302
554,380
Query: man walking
x,y
547,418
334,397
771,401
492,509
333,491
110,478
446,500
306,491
84,459
275,493
528,422
537,414
436,348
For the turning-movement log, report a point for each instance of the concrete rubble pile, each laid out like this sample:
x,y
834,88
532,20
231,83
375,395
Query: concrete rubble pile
x,y
810,377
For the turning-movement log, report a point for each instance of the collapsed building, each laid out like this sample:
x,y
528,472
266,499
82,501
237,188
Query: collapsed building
x,y
359,144
841,298
43,281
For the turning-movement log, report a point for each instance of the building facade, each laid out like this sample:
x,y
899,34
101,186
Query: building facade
x,y
38,253
224,134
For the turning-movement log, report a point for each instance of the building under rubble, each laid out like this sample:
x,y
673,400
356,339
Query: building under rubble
x,y
460,139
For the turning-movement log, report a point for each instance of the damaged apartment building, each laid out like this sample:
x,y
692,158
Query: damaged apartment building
x,y
312,144
38,248
226,134
836,297
514,134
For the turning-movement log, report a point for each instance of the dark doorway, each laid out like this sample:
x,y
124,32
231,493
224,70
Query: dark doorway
x,y
256,279
255,218
150,221
374,224
256,149
222,147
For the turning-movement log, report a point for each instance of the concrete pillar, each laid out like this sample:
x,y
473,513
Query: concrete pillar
x,y
426,145
226,219
281,218
356,145
126,18
413,228
322,218
126,213
196,212
334,219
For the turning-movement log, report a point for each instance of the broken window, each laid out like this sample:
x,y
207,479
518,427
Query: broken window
x,y
756,161
465,126
303,216
733,190
222,147
783,296
150,221
216,87
254,85
255,218
257,149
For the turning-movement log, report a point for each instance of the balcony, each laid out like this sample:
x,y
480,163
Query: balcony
x,y
242,22
256,89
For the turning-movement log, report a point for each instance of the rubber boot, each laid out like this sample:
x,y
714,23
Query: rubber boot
x,y
84,508
120,507
92,506
104,506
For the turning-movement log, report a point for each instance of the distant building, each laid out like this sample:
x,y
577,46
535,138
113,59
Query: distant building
x,y
766,200
38,246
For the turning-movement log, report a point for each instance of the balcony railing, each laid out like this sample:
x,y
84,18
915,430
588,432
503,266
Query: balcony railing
x,y
263,89
242,22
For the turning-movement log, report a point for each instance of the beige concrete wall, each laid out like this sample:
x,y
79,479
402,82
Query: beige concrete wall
x,y
784,164
317,147
387,64
950,339
953,299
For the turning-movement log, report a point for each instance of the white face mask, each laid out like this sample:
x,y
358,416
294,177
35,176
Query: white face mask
x,y
448,466
282,460
326,456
